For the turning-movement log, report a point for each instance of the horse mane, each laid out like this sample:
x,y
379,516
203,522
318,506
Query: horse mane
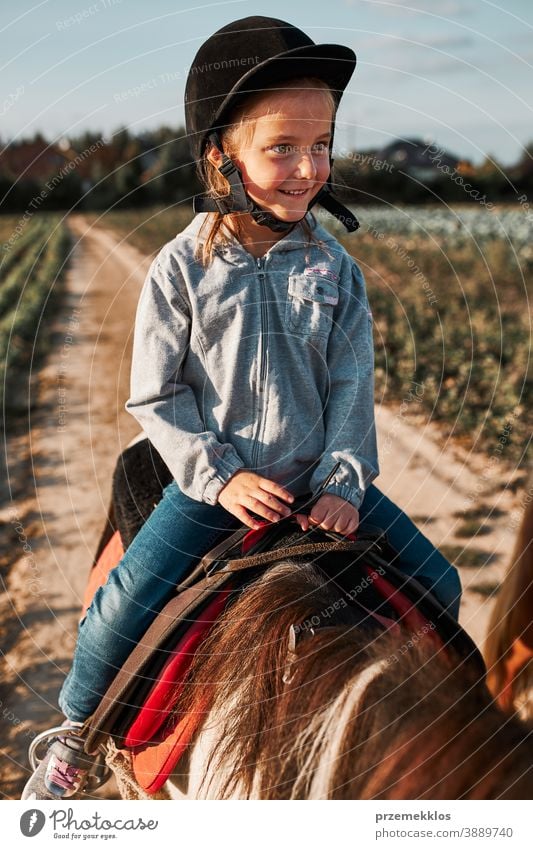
x,y
509,645
361,714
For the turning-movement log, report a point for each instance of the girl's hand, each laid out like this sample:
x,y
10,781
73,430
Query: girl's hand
x,y
247,491
331,513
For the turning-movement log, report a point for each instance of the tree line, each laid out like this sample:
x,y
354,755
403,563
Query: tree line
x,y
92,172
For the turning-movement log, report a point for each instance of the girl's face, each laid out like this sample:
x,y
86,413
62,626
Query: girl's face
x,y
287,162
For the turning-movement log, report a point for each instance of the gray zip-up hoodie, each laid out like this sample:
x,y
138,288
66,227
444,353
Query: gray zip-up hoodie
x,y
264,364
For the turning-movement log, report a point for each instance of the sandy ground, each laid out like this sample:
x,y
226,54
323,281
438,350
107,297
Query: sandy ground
x,y
58,472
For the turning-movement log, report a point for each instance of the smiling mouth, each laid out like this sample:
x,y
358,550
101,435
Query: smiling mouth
x,y
294,193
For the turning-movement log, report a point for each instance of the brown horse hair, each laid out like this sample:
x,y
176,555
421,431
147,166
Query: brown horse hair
x,y
510,629
236,136
365,715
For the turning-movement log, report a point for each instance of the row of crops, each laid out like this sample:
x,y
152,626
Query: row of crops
x,y
457,226
451,293
31,281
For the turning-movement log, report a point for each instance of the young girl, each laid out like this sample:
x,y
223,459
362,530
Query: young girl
x,y
252,368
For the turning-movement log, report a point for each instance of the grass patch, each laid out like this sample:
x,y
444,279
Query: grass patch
x,y
147,229
482,511
486,588
471,528
518,483
32,286
8,224
470,558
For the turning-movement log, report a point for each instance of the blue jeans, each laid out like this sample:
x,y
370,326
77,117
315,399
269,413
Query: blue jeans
x,y
417,555
178,532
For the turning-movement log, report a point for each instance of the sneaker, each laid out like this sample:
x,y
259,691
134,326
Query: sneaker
x,y
64,770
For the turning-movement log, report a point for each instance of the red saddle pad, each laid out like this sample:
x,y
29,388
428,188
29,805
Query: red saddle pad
x,y
154,762
166,689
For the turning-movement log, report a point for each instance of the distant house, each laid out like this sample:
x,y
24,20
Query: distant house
x,y
424,160
32,160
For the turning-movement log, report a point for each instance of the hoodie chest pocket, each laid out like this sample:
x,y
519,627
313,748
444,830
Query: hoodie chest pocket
x,y
311,300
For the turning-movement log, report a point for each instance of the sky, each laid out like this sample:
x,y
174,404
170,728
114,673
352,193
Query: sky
x,y
456,73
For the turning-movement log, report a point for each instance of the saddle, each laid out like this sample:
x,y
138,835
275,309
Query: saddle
x,y
140,710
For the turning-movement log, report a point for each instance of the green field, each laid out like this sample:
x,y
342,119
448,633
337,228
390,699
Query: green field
x,y
450,292
32,260
147,229
456,334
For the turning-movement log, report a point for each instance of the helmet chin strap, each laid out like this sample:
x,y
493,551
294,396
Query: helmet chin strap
x,y
239,201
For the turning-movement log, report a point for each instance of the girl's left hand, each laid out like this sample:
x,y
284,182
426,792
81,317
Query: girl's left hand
x,y
331,513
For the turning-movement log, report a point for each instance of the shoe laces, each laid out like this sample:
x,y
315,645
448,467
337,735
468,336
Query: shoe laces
x,y
64,775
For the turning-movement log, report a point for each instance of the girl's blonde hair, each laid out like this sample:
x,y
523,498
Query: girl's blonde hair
x,y
236,136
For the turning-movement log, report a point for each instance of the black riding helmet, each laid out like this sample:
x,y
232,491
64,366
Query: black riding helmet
x,y
241,58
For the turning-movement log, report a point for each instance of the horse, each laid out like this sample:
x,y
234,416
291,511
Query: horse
x,y
294,696
508,648
340,712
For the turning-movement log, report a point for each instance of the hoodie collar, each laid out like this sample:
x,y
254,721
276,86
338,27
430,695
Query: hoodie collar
x,y
233,250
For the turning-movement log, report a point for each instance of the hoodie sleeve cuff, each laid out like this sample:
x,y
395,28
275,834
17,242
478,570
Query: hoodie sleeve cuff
x,y
216,484
352,494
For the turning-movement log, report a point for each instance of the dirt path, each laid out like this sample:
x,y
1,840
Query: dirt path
x,y
436,484
59,469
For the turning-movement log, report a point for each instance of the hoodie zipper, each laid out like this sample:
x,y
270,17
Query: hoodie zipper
x,y
263,354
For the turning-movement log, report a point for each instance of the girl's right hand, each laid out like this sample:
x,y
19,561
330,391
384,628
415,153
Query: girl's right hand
x,y
247,491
